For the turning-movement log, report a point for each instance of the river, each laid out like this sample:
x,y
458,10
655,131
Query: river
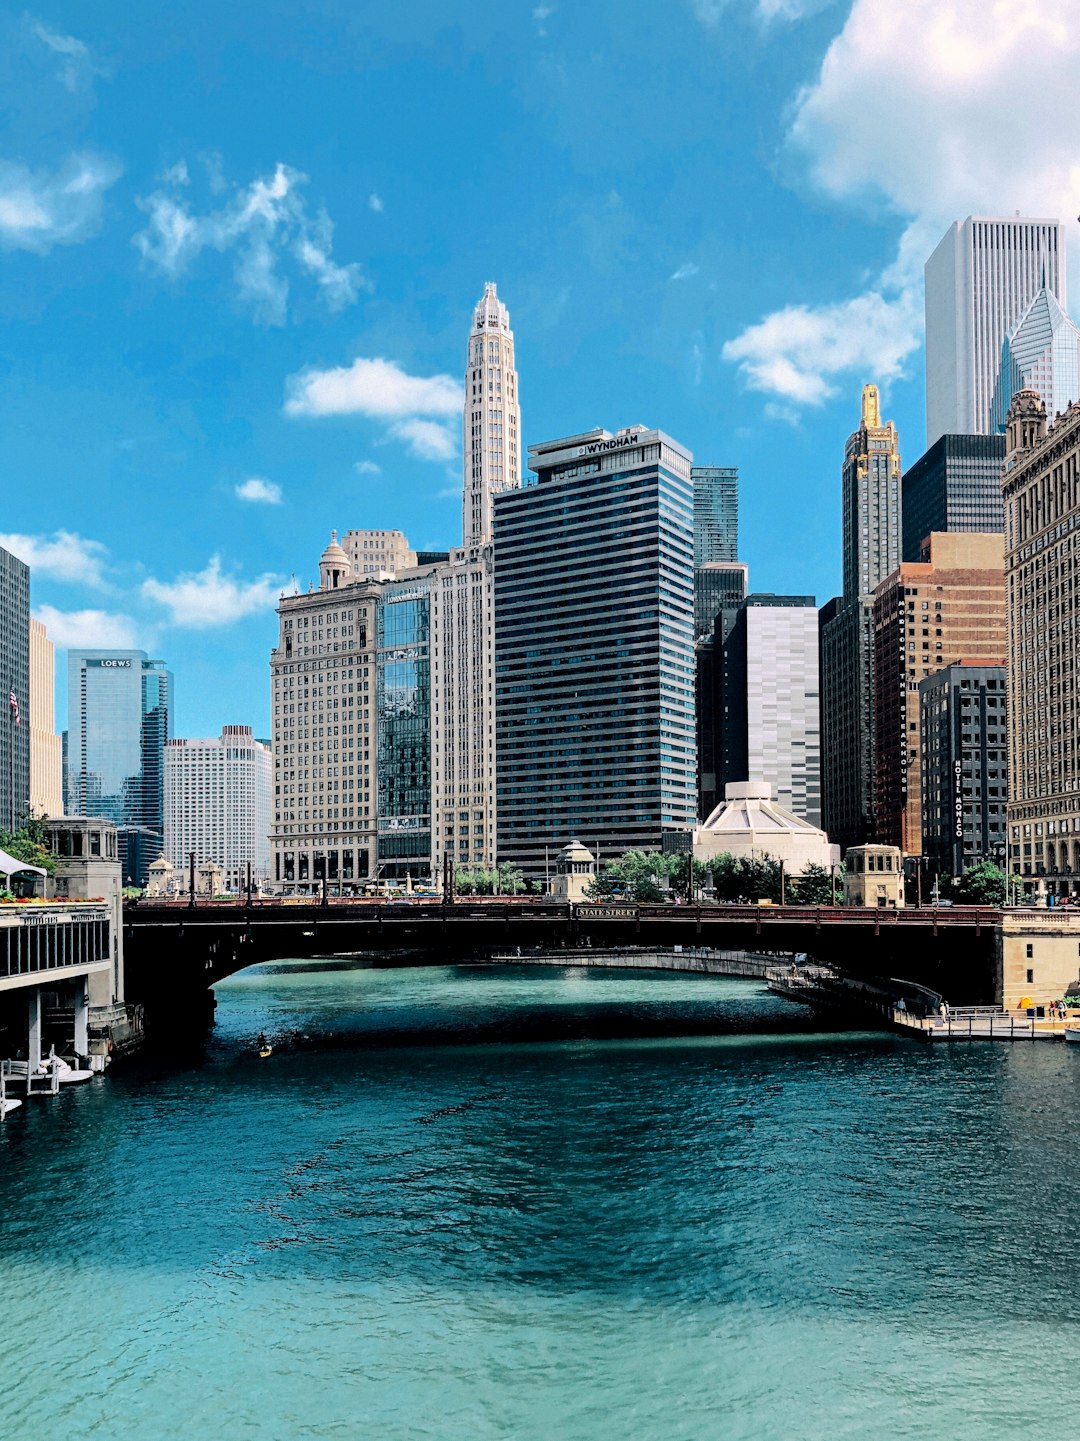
x,y
474,1204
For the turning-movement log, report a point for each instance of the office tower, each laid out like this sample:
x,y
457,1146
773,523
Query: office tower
x,y
956,485
964,767
979,281
218,805
324,732
463,600
15,684
1041,352
120,705
46,757
776,703
1041,488
716,513
595,690
491,424
927,616
378,554
726,585
403,699
871,550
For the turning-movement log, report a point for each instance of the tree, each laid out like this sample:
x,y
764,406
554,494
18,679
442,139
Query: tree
x,y
745,878
509,880
981,885
30,843
636,875
815,886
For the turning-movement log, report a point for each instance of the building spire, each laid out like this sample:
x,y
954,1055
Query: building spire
x,y
871,408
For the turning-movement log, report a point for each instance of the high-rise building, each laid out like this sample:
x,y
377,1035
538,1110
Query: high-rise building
x,y
46,751
492,419
1041,352
1041,487
323,691
726,585
405,731
218,805
927,616
870,500
15,680
979,281
964,767
716,513
378,554
775,724
956,485
595,703
120,707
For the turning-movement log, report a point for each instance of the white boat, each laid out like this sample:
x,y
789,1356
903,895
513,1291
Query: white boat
x,y
7,1105
66,1075
1072,1033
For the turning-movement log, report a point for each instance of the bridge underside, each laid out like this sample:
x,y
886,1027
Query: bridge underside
x,y
174,956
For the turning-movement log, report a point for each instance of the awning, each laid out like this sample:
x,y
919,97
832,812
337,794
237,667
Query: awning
x,y
9,866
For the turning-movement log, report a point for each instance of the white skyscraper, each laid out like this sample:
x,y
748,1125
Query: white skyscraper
x,y
463,602
979,281
217,804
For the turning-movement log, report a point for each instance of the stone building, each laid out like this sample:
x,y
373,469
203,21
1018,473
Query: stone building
x,y
1041,489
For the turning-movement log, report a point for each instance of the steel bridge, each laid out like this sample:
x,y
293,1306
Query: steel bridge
x,y
175,952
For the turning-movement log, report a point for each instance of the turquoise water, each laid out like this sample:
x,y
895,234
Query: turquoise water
x,y
466,1204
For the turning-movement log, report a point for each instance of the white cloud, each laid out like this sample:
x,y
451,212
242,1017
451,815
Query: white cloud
x,y
541,14
367,467
685,271
265,492
427,439
710,12
372,387
906,117
263,225
39,210
87,629
375,202
77,63
61,556
208,599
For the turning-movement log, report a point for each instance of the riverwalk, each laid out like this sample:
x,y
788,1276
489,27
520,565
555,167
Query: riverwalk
x,y
984,1023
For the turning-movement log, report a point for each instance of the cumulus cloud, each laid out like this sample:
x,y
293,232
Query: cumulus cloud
x,y
209,598
427,439
906,118
39,209
264,492
367,467
420,407
87,629
60,556
264,226
371,387
77,64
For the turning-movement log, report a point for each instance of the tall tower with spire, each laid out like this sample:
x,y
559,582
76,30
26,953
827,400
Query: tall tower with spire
x,y
492,420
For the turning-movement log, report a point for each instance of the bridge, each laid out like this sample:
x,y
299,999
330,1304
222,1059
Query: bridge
x,y
175,952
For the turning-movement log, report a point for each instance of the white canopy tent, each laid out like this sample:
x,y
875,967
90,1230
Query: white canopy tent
x,y
9,866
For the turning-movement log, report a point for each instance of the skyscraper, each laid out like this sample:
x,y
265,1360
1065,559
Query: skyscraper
x,y
776,710
15,683
405,732
594,647
956,485
964,766
46,758
979,281
1041,352
724,585
120,705
217,804
716,540
492,418
871,550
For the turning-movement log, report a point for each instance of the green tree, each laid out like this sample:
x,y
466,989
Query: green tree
x,y
636,876
981,885
509,880
30,843
746,879
815,886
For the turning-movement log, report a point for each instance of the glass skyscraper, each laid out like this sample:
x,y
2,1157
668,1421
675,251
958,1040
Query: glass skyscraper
x,y
15,680
120,706
403,687
716,541
1041,352
594,654
956,485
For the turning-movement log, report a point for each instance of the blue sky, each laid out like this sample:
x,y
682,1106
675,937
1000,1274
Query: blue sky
x,y
706,216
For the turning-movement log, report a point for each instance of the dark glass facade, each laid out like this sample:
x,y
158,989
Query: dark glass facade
x,y
964,767
594,654
14,680
727,585
956,485
403,684
716,513
120,707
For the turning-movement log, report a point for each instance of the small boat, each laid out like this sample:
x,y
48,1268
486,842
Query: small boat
x,y
65,1074
1072,1033
265,1051
263,1048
